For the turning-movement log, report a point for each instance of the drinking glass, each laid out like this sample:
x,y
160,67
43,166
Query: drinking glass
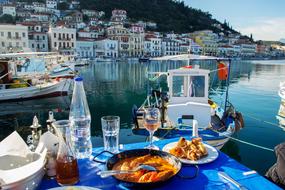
x,y
111,128
62,125
151,122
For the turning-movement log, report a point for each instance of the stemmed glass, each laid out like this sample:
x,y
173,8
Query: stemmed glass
x,y
151,122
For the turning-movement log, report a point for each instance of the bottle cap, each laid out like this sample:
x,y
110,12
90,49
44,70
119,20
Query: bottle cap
x,y
78,79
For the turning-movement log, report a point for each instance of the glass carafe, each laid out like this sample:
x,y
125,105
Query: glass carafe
x,y
66,163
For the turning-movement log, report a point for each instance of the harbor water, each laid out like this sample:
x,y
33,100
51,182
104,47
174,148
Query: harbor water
x,y
113,88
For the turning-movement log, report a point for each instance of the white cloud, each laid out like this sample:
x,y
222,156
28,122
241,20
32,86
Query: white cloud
x,y
266,29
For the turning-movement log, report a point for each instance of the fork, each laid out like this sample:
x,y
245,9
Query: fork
x,y
108,173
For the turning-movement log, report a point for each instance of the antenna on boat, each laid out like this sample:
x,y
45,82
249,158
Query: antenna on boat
x,y
228,84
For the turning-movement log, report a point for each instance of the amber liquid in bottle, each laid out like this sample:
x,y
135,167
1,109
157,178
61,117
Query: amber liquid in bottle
x,y
67,171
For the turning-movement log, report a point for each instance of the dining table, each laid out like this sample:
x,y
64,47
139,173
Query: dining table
x,y
207,178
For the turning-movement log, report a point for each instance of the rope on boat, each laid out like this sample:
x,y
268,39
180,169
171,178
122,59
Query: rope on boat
x,y
267,122
250,144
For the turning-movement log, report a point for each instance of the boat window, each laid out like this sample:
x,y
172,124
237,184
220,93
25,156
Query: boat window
x,y
179,86
197,86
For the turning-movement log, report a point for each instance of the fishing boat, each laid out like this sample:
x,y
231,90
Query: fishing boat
x,y
14,87
81,62
143,59
62,72
187,104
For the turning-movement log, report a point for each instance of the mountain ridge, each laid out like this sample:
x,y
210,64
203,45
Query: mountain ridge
x,y
169,15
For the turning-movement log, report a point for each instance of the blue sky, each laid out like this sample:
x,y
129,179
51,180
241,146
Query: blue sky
x,y
265,19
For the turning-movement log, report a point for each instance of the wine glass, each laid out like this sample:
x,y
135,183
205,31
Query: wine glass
x,y
151,122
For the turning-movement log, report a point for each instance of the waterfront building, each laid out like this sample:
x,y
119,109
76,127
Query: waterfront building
x,y
151,25
14,38
42,17
51,4
74,4
81,25
38,38
66,24
247,49
262,49
106,48
9,9
85,48
170,47
23,15
98,29
38,41
226,50
141,23
184,44
90,13
118,16
87,33
207,40
136,41
93,21
39,7
28,7
73,16
152,45
122,35
184,48
196,48
63,40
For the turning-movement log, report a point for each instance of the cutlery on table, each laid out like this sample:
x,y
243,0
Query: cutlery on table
x,y
228,178
108,173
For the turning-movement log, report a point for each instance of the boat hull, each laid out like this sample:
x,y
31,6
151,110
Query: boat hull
x,y
60,88
215,139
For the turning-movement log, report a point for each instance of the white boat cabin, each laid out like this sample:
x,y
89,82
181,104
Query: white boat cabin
x,y
188,92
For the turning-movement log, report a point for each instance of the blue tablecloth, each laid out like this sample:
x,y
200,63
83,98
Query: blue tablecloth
x,y
207,178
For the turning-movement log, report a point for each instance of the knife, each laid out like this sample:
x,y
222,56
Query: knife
x,y
228,178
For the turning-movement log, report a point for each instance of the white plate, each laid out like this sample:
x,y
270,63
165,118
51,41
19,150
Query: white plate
x,y
212,154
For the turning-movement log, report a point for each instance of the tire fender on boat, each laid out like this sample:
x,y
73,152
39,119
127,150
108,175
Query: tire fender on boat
x,y
239,121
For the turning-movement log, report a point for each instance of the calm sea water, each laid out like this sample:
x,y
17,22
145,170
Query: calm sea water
x,y
113,88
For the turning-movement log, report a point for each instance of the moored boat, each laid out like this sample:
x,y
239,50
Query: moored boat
x,y
186,104
13,87
143,59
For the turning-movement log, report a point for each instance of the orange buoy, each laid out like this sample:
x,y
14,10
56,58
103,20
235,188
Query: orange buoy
x,y
222,71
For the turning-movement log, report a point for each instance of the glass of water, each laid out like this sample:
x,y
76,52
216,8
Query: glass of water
x,y
111,128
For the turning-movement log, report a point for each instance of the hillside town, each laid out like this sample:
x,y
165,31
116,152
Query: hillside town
x,y
43,27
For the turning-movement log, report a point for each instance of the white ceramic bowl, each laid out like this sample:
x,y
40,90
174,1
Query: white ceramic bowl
x,y
9,162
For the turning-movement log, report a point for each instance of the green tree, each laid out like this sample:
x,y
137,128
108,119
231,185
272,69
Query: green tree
x,y
7,19
63,6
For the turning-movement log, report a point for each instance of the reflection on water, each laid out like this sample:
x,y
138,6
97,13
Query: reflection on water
x,y
281,115
113,88
19,115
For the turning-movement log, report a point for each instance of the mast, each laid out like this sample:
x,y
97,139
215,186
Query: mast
x,y
228,84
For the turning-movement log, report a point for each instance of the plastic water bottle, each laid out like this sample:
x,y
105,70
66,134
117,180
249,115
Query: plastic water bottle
x,y
80,121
